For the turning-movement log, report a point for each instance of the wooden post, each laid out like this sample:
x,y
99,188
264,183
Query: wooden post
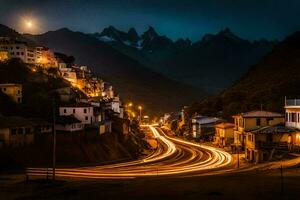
x,y
47,175
238,156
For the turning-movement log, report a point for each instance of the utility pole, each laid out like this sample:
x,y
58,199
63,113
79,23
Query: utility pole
x,y
54,141
281,180
238,156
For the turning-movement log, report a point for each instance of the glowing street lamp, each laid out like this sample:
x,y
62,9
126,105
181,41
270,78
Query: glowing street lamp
x,y
140,109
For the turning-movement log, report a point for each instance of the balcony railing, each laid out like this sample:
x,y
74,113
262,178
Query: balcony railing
x,y
292,102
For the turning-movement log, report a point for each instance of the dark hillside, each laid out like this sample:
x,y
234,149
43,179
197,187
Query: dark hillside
x,y
266,84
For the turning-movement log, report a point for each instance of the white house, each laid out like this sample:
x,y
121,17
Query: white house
x,y
201,122
68,123
292,113
83,112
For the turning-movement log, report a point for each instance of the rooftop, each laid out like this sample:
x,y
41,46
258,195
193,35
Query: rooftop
x,y
14,121
259,113
274,130
74,105
10,85
69,119
224,125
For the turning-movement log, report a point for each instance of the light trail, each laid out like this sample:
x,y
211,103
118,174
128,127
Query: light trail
x,y
173,157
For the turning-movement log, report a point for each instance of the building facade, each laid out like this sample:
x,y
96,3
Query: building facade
x,y
248,121
14,91
224,134
262,144
83,112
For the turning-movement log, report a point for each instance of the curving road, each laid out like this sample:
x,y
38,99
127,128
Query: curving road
x,y
173,157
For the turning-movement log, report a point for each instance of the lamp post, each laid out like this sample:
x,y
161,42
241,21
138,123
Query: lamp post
x,y
140,109
54,141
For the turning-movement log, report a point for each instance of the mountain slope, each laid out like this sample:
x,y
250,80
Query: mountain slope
x,y
212,63
266,84
131,79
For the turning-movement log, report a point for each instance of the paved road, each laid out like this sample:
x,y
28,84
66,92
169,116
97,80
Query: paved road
x,y
173,157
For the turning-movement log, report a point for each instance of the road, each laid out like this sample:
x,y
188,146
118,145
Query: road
x,y
173,157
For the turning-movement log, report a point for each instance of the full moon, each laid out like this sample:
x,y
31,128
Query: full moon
x,y
29,24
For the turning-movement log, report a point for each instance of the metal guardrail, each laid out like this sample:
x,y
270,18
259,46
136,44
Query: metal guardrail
x,y
44,172
292,102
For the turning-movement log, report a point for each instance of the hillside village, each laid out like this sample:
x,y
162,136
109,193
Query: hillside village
x,y
257,135
86,103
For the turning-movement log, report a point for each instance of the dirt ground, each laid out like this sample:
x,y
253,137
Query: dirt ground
x,y
250,185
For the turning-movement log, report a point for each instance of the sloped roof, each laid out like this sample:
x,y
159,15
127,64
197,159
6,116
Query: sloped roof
x,y
259,113
224,125
10,122
68,119
274,130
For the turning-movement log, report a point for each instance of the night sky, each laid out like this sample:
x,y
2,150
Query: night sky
x,y
251,19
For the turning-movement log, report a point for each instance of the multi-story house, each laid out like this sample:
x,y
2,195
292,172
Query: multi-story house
x,y
202,125
263,143
14,91
83,112
292,113
245,122
224,134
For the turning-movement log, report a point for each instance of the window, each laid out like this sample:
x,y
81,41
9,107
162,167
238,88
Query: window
x,y
20,131
257,121
12,53
269,121
22,53
19,100
74,111
86,118
27,131
18,53
13,131
293,117
84,110
19,91
17,47
65,110
4,89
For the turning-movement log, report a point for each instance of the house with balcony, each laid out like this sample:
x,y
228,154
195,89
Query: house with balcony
x,y
292,113
264,143
245,122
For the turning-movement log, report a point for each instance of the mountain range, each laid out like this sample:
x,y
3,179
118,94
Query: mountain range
x,y
264,86
212,63
131,79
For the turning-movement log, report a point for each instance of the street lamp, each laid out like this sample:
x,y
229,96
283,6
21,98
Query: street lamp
x,y
140,109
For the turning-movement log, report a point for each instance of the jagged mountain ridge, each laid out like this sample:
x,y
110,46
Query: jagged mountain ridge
x,y
196,63
131,80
